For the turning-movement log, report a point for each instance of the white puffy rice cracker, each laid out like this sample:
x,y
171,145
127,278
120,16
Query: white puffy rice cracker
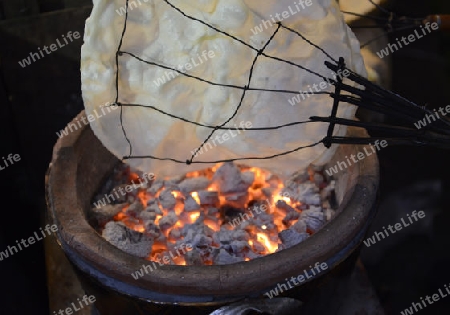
x,y
158,33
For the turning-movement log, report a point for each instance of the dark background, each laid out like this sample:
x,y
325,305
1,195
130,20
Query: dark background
x,y
39,100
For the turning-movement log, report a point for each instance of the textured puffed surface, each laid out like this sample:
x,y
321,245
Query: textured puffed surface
x,y
158,33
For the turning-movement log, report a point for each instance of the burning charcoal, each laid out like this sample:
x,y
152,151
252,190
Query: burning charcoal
x,y
106,213
308,193
224,236
154,207
201,240
290,186
252,255
190,204
173,181
248,178
224,258
281,204
237,200
240,235
208,231
273,181
212,211
134,209
314,218
290,237
189,235
194,184
147,215
131,242
168,220
263,219
155,187
318,179
167,200
300,177
291,216
228,178
238,247
299,226
302,207
267,192
186,228
288,193
152,229
193,258
258,247
175,234
208,197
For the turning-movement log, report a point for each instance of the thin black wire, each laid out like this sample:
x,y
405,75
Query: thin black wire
x,y
117,80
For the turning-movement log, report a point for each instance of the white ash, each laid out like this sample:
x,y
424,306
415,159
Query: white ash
x,y
194,184
314,218
238,200
299,227
238,247
106,213
190,204
225,258
131,242
154,207
212,211
168,221
166,199
300,177
258,247
174,181
252,255
308,193
155,187
147,215
291,238
268,192
291,216
152,229
229,179
272,180
248,178
175,234
208,197
201,240
281,204
135,208
193,258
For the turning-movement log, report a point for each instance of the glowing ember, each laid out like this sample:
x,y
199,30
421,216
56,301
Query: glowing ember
x,y
228,213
